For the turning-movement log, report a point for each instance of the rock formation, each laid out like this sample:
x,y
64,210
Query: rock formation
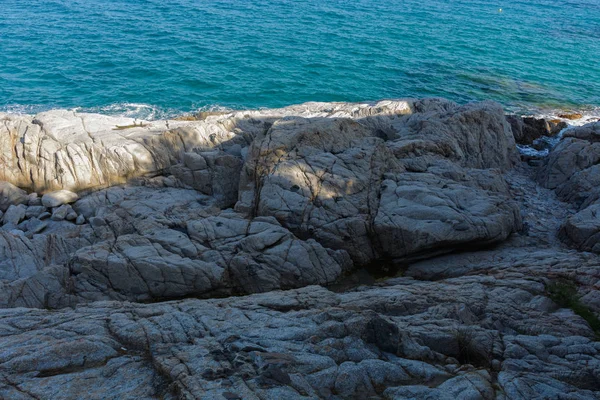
x,y
573,171
249,234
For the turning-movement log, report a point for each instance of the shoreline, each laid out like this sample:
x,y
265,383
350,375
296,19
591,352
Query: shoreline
x,y
149,112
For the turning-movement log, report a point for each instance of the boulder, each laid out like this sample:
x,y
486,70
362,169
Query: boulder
x,y
556,126
572,166
60,213
14,214
11,195
582,230
34,211
58,198
320,178
34,200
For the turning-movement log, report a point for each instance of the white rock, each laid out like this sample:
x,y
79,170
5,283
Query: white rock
x,y
58,198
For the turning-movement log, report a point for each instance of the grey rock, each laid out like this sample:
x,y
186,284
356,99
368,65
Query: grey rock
x,y
60,213
225,253
14,214
37,226
213,173
80,220
582,230
11,195
333,180
392,184
573,171
34,211
34,200
194,161
71,215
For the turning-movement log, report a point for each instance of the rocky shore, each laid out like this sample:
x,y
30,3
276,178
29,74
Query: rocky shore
x,y
393,250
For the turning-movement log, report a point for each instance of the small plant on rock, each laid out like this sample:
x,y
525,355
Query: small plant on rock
x,y
564,293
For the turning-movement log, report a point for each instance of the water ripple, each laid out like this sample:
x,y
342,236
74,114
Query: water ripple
x,y
152,58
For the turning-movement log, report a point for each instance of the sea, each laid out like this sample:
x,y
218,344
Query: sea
x,y
155,59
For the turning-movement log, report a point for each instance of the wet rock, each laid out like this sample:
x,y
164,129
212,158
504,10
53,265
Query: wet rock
x,y
80,219
556,126
527,129
570,116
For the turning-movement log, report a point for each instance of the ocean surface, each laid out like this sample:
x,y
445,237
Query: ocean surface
x,y
156,58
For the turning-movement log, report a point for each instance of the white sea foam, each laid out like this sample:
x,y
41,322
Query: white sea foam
x,y
589,115
142,111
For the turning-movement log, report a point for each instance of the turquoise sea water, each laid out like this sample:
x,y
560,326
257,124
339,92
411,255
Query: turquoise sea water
x,y
163,57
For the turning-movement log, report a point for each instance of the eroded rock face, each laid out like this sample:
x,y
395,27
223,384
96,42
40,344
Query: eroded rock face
x,y
214,173
573,171
421,214
223,254
150,243
400,340
320,178
319,189
334,180
67,150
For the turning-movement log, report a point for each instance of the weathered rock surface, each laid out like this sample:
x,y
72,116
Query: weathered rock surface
x,y
573,171
150,243
331,179
224,254
319,190
405,339
11,195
